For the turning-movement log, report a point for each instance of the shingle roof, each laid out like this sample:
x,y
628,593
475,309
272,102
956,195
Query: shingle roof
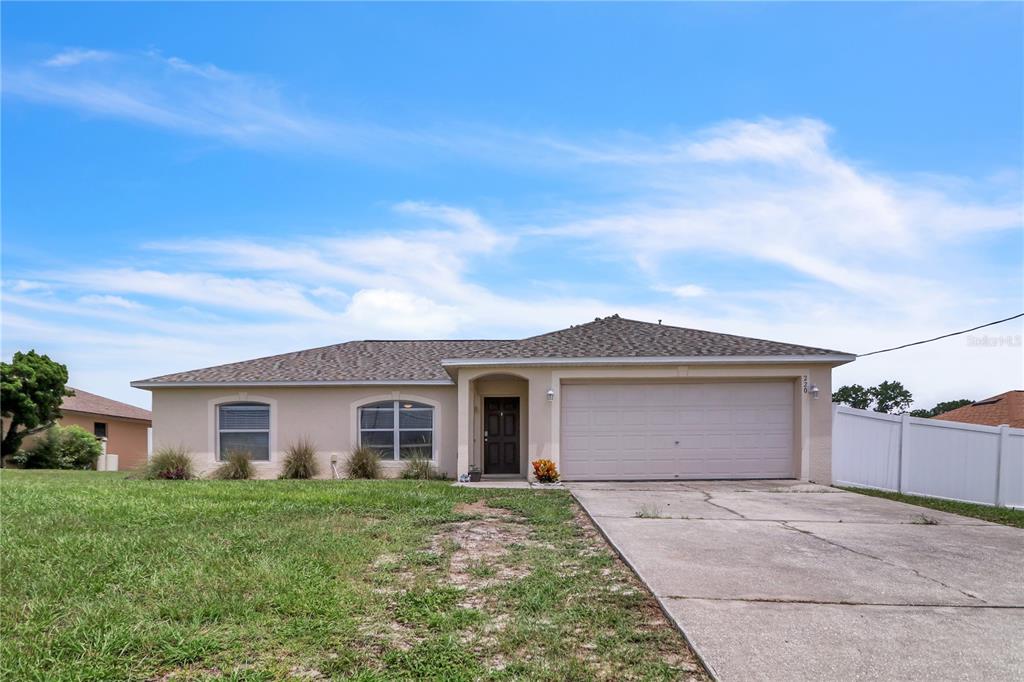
x,y
1005,408
353,361
617,337
83,401
399,361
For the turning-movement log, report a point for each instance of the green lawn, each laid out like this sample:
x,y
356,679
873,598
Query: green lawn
x,y
108,578
1003,515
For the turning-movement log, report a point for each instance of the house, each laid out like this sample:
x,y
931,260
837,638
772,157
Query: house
x,y
1005,408
609,399
125,426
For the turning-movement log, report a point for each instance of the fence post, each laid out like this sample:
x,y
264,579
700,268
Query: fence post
x,y
901,458
1004,442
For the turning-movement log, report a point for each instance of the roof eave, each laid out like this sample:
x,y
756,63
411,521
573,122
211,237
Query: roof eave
x,y
149,384
834,359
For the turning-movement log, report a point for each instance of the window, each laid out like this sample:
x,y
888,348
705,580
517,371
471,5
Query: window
x,y
99,429
244,427
398,429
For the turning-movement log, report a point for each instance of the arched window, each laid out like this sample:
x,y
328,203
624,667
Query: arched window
x,y
244,427
398,429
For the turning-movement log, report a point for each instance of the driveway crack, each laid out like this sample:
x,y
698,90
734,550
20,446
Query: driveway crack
x,y
707,499
787,526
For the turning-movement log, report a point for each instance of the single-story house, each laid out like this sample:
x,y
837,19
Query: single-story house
x,y
611,399
1005,408
124,427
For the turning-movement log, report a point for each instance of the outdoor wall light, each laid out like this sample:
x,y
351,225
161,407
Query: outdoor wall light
x,y
551,394
814,391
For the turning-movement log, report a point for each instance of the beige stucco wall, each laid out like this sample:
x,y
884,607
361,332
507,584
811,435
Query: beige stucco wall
x,y
186,416
821,427
327,415
812,426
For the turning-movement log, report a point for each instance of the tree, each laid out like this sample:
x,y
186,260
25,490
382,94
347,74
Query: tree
x,y
853,395
32,387
888,396
941,408
891,397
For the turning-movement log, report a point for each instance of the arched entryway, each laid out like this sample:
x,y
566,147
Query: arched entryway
x,y
500,425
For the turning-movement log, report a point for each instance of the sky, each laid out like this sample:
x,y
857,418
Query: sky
x,y
185,185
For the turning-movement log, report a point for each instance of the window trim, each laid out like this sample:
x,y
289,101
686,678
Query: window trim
x,y
396,425
219,430
213,423
397,397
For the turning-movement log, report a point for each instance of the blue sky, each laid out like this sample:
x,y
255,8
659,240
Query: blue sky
x,y
191,184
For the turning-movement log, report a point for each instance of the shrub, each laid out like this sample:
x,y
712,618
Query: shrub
x,y
173,464
300,460
363,463
419,468
63,447
237,466
545,470
42,454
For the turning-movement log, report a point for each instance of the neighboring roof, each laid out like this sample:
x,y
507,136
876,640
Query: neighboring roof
x,y
1005,408
612,337
83,401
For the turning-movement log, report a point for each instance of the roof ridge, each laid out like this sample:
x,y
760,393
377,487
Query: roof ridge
x,y
733,336
659,324
426,341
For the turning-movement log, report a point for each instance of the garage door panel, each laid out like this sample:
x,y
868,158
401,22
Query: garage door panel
x,y
637,431
572,419
714,416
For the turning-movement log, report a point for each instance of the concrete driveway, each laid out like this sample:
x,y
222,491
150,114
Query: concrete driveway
x,y
777,580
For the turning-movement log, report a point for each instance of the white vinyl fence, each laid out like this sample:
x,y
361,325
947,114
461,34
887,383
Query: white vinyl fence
x,y
932,457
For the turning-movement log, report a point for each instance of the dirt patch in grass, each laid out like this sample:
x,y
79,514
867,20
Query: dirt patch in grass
x,y
187,673
477,546
390,634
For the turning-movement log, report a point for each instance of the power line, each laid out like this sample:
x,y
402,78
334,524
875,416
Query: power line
x,y
944,336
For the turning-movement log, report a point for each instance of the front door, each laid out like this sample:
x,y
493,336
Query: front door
x,y
501,435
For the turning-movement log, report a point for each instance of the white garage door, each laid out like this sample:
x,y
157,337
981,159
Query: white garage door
x,y
651,431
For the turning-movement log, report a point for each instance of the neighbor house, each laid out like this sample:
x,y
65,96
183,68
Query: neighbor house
x,y
609,399
124,427
1005,408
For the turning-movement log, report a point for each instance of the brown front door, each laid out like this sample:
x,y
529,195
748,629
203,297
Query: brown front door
x,y
501,435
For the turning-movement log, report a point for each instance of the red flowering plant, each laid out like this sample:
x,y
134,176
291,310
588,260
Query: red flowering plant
x,y
545,471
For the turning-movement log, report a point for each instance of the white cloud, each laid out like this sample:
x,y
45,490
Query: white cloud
x,y
23,285
401,312
685,291
432,258
75,56
855,260
110,300
775,192
329,293
173,93
770,141
241,294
